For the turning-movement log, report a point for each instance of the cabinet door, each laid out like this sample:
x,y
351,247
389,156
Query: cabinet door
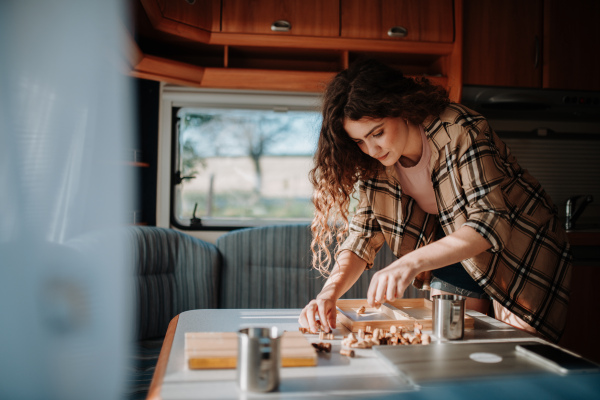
x,y
202,14
571,45
305,17
502,43
414,20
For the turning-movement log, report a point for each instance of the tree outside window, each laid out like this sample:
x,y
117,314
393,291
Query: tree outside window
x,y
244,164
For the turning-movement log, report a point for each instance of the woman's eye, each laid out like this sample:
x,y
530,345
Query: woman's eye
x,y
378,134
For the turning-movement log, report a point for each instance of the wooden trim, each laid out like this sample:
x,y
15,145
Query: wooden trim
x,y
163,359
162,69
162,78
345,59
323,43
454,69
263,79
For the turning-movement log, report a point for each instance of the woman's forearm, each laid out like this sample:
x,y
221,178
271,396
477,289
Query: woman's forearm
x,y
462,244
346,271
391,281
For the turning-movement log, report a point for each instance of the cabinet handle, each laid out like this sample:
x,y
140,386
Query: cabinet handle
x,y
281,26
397,31
536,62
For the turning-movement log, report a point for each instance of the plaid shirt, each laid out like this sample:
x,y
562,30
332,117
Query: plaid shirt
x,y
478,183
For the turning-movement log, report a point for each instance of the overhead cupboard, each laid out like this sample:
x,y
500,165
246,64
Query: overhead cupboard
x,y
420,21
298,45
293,45
426,20
549,44
319,18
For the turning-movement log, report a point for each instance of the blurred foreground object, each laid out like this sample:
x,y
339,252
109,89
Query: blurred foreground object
x,y
64,125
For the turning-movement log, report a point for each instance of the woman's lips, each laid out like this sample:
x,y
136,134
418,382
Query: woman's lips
x,y
383,157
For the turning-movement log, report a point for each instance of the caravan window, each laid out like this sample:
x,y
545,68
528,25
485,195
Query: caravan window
x,y
242,165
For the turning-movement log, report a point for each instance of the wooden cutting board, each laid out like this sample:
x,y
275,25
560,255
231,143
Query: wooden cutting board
x,y
218,350
402,312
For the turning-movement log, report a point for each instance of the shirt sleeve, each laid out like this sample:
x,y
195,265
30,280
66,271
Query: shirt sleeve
x,y
365,237
484,169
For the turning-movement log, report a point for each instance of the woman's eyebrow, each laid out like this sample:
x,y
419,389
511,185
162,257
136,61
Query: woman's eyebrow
x,y
373,129
370,132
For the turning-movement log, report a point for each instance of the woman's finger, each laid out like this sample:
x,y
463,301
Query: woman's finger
x,y
381,289
310,316
323,318
302,318
332,314
391,289
400,289
371,291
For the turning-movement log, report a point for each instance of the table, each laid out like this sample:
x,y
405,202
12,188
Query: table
x,y
337,376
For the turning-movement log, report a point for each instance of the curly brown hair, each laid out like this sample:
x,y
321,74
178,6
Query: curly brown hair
x,y
369,89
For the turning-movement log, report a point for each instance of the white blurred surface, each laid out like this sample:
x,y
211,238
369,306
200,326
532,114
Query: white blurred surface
x,y
64,127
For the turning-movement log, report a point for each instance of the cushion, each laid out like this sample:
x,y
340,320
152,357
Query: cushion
x,y
270,267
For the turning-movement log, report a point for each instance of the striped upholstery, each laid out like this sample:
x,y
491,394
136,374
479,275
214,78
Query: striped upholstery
x,y
174,272
141,368
270,267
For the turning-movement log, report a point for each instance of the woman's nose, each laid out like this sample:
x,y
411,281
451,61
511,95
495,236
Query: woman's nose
x,y
373,149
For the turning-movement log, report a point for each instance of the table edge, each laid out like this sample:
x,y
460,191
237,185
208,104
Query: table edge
x,y
163,359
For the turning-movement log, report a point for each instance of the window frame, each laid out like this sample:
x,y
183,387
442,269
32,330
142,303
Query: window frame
x,y
173,98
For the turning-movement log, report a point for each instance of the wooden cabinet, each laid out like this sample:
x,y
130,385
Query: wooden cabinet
x,y
415,20
503,43
249,47
531,43
277,17
203,14
571,44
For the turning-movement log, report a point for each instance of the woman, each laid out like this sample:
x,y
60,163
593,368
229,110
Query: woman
x,y
421,162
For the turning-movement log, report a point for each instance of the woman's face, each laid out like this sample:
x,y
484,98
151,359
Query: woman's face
x,y
385,139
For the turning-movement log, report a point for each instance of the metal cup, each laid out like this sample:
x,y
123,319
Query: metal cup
x,y
259,359
448,316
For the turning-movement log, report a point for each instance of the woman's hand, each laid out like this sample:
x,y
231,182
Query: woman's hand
x,y
390,282
346,271
323,308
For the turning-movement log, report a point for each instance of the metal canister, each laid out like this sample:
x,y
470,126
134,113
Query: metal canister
x,y
448,316
259,359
